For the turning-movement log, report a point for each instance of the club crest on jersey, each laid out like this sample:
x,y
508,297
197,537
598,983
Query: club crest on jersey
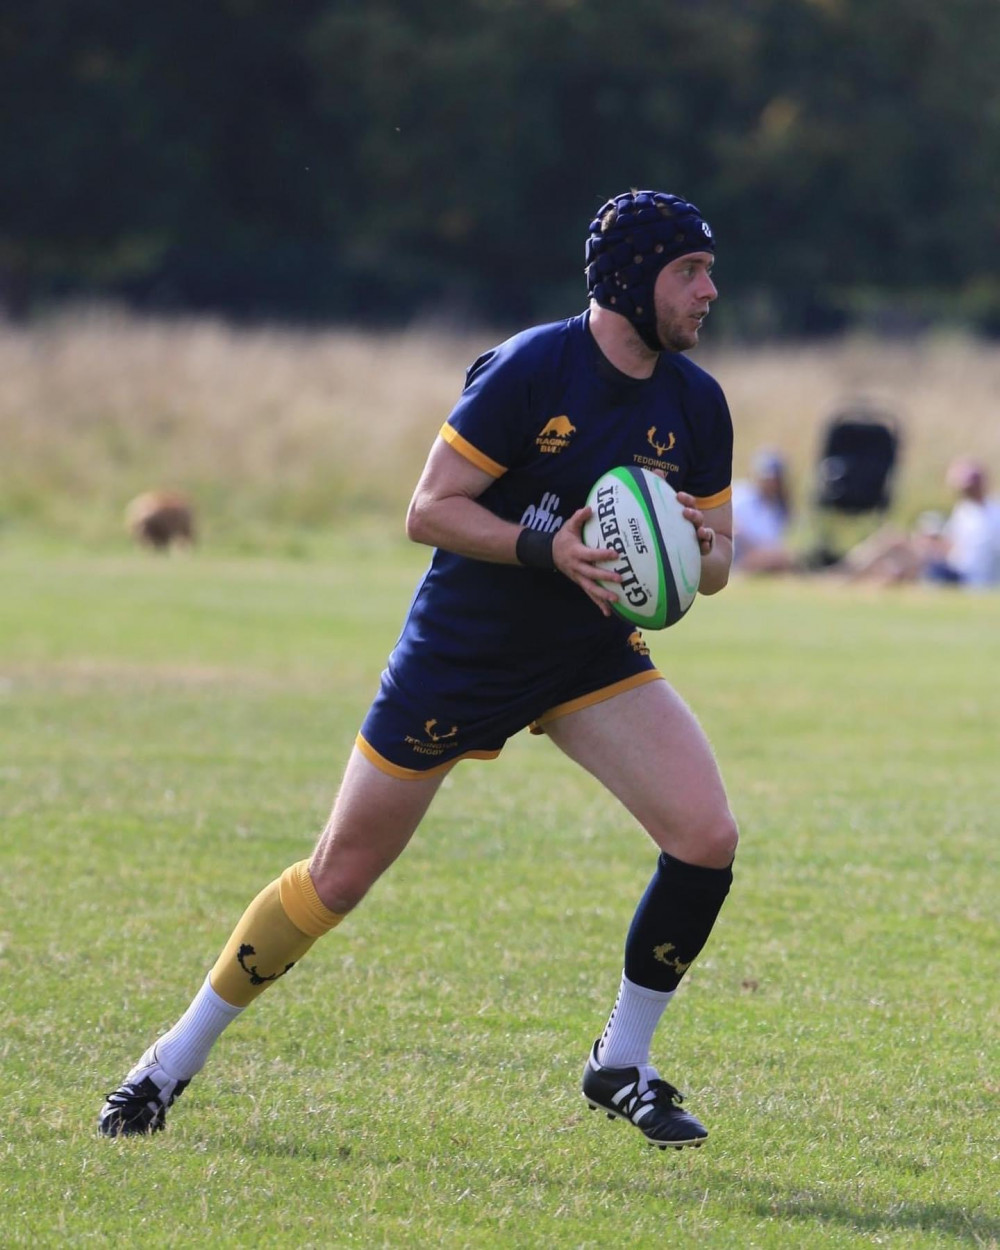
x,y
657,463
661,449
555,434
436,740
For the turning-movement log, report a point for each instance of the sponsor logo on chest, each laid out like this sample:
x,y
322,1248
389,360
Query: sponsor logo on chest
x,y
543,516
554,435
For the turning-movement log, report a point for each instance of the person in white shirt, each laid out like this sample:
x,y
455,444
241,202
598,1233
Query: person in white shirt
x,y
761,514
971,535
962,549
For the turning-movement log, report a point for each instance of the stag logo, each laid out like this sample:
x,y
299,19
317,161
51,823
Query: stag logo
x,y
257,978
661,449
435,740
431,732
662,953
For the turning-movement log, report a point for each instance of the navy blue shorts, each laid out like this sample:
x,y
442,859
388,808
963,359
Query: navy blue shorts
x,y
429,714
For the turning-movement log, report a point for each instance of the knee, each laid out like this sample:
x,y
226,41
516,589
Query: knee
x,y
721,841
340,883
708,840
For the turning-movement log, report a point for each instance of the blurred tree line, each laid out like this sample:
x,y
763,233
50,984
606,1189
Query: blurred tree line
x,y
402,158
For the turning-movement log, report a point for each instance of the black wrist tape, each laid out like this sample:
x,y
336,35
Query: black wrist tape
x,y
534,549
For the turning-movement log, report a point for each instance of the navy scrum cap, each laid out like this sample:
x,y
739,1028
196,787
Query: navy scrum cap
x,y
632,237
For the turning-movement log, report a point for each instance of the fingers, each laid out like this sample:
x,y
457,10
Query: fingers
x,y
691,509
587,566
574,558
705,534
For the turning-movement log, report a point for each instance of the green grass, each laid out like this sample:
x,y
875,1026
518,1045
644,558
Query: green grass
x,y
171,735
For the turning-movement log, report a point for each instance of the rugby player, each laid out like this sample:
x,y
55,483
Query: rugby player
x,y
501,499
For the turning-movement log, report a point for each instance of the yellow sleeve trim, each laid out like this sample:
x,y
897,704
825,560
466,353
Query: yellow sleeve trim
x,y
473,454
714,501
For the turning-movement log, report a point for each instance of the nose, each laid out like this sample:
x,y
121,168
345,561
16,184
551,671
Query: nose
x,y
708,290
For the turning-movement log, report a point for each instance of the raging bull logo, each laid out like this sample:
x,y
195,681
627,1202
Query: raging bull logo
x,y
555,435
611,537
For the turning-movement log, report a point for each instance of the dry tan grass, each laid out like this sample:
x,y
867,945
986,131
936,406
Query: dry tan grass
x,y
945,392
283,427
290,427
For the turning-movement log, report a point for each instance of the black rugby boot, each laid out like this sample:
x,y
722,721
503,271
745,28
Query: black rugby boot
x,y
139,1104
641,1097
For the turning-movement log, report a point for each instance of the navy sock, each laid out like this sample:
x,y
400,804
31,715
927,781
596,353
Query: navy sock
x,y
673,921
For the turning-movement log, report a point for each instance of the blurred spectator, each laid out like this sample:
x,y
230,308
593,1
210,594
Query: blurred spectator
x,y
962,550
971,535
761,514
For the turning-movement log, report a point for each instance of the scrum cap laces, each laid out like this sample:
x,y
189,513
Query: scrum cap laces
x,y
632,237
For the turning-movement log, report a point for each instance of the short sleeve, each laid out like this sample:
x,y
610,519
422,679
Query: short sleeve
x,y
491,422
710,475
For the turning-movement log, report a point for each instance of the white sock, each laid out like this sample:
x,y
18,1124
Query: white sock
x,y
630,1028
182,1051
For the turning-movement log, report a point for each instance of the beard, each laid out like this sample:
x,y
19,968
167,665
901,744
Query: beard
x,y
676,334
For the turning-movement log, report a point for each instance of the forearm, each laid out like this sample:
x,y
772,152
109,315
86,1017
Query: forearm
x,y
460,524
715,565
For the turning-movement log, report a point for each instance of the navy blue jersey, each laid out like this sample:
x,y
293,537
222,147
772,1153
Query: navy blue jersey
x,y
545,414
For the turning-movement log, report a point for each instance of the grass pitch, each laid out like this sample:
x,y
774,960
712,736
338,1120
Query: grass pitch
x,y
171,735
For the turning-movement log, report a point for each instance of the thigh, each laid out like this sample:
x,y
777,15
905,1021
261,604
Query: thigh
x,y
373,818
646,746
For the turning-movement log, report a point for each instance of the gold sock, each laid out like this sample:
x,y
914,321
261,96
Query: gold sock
x,y
273,933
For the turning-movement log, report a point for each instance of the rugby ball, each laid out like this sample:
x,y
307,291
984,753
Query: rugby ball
x,y
636,514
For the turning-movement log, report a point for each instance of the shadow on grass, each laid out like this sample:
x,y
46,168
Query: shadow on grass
x,y
685,1185
976,1227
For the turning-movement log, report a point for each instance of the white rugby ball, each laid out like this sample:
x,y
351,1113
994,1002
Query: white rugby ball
x,y
636,514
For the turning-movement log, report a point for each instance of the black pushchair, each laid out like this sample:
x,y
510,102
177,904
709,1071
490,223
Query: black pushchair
x,y
854,475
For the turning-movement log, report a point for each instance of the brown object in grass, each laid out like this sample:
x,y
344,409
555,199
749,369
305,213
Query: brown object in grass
x,y
160,518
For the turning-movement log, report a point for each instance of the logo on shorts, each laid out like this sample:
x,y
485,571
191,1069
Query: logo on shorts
x,y
436,740
555,434
638,643
430,729
661,449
